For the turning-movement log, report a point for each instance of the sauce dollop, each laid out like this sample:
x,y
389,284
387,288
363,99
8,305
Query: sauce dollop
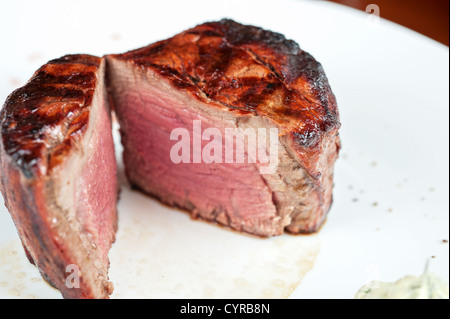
x,y
427,286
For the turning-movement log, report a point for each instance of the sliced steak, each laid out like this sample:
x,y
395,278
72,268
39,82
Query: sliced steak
x,y
229,76
58,174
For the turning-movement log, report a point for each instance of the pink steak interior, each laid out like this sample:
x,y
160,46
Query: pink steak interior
x,y
149,110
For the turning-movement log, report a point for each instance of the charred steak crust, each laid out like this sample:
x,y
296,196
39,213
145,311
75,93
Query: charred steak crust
x,y
55,99
41,125
251,70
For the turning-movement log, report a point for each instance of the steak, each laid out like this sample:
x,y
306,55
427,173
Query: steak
x,y
58,173
235,124
223,77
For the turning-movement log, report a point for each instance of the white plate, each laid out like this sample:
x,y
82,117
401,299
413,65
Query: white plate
x,y
391,208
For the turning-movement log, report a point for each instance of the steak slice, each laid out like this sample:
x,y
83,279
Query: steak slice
x,y
58,173
227,76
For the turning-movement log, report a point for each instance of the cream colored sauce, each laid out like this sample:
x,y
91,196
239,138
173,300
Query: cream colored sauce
x,y
427,286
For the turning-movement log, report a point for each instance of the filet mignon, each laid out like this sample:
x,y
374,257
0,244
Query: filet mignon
x,y
222,76
58,173
228,86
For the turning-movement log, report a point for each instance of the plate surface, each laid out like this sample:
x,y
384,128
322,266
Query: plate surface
x,y
391,209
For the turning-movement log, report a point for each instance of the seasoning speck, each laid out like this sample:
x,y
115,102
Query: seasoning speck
x,y
445,241
375,204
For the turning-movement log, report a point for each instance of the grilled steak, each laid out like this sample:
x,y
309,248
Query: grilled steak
x,y
58,174
232,123
224,76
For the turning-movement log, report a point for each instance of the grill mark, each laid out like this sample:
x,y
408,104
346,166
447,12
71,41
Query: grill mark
x,y
83,80
267,65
